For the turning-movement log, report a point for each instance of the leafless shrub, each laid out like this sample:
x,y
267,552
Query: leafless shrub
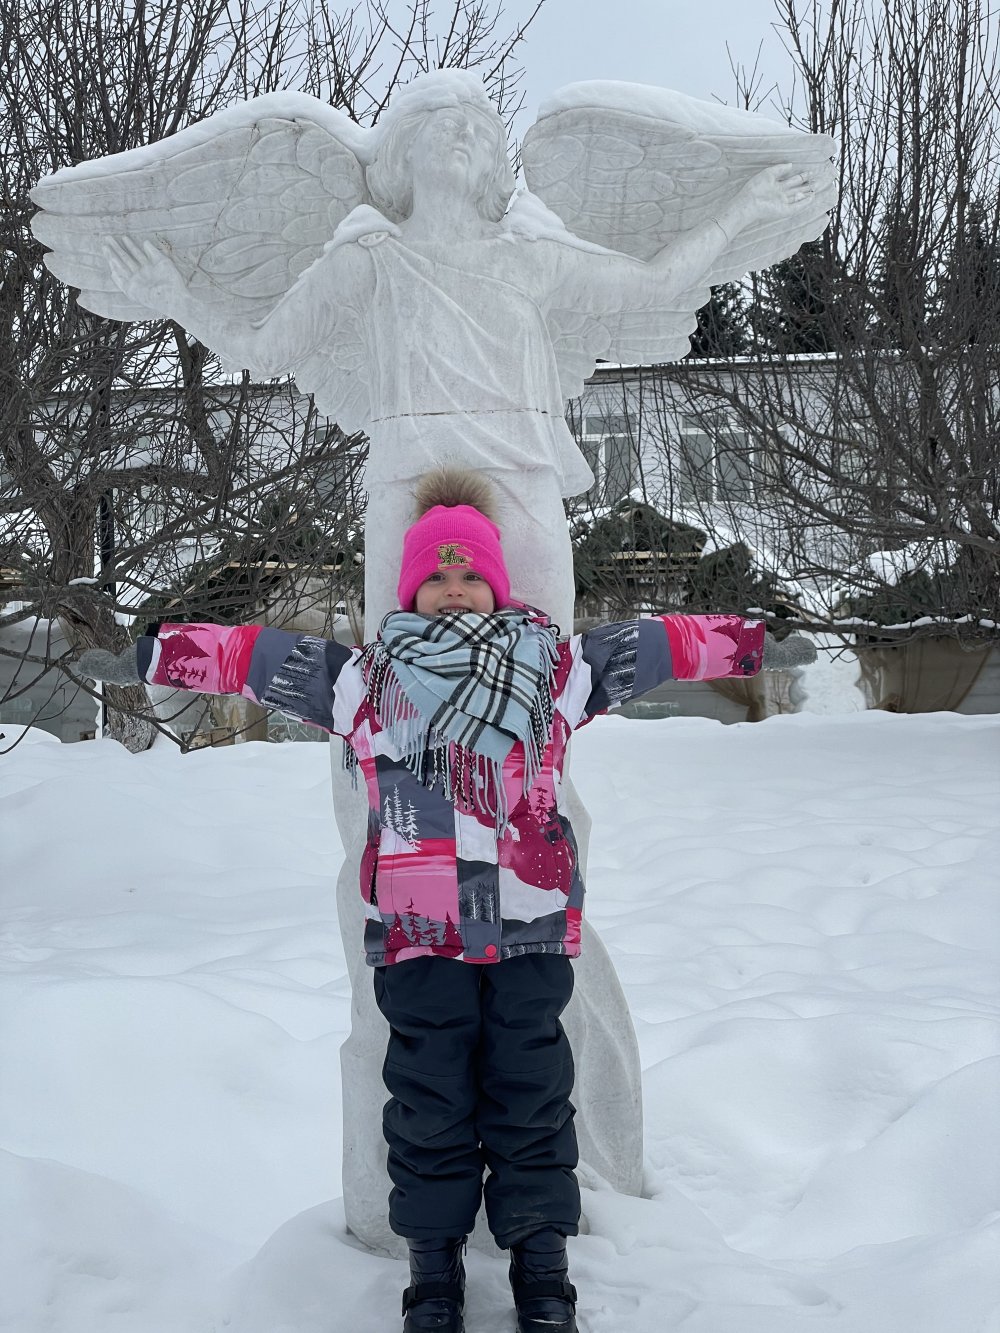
x,y
860,428
134,474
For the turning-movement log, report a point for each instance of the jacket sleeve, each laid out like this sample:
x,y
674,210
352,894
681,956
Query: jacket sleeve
x,y
617,662
315,680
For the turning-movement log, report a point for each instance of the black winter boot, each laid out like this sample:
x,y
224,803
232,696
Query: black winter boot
x,y
435,1298
544,1296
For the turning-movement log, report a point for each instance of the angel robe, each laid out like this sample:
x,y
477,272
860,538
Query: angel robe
x,y
471,377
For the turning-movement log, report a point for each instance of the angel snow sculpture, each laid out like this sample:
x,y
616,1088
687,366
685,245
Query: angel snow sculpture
x,y
385,270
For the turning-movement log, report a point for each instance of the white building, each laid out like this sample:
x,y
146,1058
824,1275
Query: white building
x,y
679,438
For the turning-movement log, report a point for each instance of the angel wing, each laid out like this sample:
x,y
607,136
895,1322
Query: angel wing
x,y
244,203
628,168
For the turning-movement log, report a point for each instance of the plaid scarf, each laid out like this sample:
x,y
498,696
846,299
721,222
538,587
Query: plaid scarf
x,y
457,691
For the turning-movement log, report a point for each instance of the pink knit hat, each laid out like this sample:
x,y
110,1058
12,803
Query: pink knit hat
x,y
450,535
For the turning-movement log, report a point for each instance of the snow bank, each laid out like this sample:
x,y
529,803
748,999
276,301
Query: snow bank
x,y
804,917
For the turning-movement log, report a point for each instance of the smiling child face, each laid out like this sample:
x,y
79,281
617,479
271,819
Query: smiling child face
x,y
456,589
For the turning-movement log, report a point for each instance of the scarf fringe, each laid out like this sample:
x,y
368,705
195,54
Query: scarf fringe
x,y
470,779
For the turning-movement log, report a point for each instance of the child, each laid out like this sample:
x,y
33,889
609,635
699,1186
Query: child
x,y
458,716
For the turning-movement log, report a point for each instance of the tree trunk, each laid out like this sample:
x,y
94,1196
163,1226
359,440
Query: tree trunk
x,y
125,720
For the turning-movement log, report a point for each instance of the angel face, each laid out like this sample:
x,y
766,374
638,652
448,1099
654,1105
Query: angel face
x,y
461,145
453,146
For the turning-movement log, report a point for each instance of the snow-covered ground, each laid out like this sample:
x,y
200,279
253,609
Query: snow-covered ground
x,y
804,915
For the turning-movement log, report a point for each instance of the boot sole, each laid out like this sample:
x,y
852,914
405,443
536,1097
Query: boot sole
x,y
410,1327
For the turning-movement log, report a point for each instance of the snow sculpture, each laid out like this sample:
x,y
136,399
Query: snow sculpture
x,y
389,272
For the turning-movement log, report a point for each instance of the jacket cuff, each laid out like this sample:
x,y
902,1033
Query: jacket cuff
x,y
144,653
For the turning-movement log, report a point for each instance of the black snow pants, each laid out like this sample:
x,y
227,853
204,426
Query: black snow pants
x,y
479,1072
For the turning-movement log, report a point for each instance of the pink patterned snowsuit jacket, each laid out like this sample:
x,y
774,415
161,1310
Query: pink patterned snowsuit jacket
x,y
437,879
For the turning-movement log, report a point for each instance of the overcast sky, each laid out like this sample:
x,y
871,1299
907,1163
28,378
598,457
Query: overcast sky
x,y
677,44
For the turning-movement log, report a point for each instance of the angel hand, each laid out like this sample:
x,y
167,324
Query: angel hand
x,y
776,192
143,271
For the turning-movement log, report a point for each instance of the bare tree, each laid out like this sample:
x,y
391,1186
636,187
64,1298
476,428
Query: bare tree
x,y
132,469
866,407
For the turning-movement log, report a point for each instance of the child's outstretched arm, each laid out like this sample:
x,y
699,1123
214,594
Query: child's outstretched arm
x,y
617,662
314,680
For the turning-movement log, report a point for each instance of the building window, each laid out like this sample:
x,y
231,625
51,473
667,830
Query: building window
x,y
146,513
608,445
716,461
852,456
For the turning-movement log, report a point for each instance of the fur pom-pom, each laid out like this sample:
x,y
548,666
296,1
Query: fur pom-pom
x,y
452,486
